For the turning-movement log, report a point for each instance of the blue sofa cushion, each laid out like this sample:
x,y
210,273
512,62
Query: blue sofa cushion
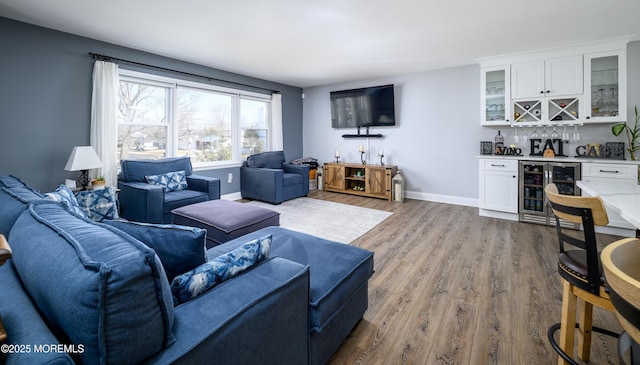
x,y
136,170
180,248
95,285
170,181
64,196
98,204
269,160
177,199
10,181
197,281
14,201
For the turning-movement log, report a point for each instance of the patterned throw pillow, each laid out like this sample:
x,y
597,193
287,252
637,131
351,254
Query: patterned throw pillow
x,y
65,196
204,277
171,181
99,204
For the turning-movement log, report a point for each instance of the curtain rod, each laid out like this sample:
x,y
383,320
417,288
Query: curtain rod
x,y
116,60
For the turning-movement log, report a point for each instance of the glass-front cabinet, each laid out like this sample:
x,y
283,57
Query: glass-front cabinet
x,y
495,95
605,87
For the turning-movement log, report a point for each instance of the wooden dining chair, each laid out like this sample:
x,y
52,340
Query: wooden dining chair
x,y
581,272
622,273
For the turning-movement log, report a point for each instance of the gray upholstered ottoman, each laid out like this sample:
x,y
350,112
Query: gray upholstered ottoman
x,y
225,220
338,287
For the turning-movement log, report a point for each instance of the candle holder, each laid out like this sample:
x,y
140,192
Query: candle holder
x,y
362,158
381,156
337,159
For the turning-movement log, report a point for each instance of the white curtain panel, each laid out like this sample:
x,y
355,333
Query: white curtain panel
x,y
104,128
277,143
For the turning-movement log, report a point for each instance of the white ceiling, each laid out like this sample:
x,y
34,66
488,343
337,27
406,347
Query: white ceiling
x,y
317,42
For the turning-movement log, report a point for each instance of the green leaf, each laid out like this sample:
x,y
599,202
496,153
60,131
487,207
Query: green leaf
x,y
618,128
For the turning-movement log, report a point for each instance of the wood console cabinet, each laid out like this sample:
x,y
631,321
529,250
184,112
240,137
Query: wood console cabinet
x,y
365,180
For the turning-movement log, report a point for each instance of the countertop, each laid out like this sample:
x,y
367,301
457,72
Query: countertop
x,y
623,196
559,159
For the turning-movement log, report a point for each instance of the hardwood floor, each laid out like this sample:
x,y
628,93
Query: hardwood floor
x,y
451,287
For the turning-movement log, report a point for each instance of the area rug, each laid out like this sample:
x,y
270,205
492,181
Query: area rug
x,y
333,221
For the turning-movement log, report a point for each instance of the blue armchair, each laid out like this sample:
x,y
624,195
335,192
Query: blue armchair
x,y
144,202
267,177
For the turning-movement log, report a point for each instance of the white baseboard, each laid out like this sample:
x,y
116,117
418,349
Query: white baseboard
x,y
499,215
232,196
438,198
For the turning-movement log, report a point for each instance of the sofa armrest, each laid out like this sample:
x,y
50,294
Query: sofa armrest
x,y
300,170
296,169
141,202
210,185
260,316
261,183
25,327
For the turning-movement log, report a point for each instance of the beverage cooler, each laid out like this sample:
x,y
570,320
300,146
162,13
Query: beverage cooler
x,y
534,177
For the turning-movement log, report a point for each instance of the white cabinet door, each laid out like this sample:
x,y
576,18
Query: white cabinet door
x,y
495,96
605,93
498,186
527,80
563,76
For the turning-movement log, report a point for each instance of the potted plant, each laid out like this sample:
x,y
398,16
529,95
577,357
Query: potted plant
x,y
98,183
632,134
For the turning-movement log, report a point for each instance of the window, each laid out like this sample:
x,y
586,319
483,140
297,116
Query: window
x,y
160,117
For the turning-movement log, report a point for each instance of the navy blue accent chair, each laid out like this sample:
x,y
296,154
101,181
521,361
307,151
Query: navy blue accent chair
x,y
144,202
268,177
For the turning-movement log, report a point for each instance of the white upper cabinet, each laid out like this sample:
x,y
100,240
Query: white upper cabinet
x,y
545,78
495,95
564,76
605,94
572,85
528,80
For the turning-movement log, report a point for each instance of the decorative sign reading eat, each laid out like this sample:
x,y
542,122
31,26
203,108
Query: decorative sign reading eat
x,y
554,144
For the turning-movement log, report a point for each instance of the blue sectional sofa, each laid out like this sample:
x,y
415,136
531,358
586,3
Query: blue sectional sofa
x,y
79,291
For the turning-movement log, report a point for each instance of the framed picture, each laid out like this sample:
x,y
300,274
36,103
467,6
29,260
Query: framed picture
x,y
486,147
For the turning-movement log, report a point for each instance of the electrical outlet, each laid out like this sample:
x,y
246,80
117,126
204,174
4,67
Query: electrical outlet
x,y
230,178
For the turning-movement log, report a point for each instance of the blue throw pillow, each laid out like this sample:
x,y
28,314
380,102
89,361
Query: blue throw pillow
x,y
204,277
65,196
171,181
99,204
180,248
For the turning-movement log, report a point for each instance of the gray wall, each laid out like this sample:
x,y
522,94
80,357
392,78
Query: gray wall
x,y
45,101
436,140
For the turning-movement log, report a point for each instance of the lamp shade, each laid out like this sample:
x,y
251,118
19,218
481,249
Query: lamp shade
x,y
83,158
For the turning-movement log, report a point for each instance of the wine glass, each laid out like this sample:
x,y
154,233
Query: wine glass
x,y
534,133
565,134
525,137
544,132
575,136
516,138
554,134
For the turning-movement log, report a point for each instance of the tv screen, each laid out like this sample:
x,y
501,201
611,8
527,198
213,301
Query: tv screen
x,y
365,107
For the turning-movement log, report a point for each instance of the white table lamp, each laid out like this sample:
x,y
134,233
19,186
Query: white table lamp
x,y
83,158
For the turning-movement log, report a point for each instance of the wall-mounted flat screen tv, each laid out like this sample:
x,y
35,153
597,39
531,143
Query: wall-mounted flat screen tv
x,y
365,107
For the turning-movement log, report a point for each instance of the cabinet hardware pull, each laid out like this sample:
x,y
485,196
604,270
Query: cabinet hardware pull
x,y
541,91
548,91
494,165
610,171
